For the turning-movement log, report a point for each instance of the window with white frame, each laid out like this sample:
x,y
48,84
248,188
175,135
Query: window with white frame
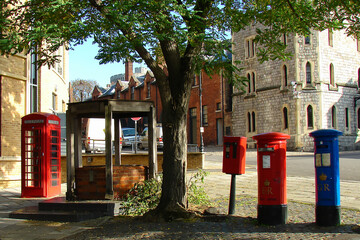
x,y
59,64
33,82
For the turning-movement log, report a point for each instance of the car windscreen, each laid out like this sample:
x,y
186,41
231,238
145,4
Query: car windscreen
x,y
129,132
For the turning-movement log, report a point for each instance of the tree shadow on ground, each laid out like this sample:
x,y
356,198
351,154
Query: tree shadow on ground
x,y
213,227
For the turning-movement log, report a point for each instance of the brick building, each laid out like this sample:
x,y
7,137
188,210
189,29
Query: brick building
x,y
25,89
142,86
215,113
317,89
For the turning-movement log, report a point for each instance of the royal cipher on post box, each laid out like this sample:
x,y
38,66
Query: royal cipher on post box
x,y
271,162
40,155
234,155
327,177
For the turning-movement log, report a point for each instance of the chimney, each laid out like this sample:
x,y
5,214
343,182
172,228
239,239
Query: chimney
x,y
128,70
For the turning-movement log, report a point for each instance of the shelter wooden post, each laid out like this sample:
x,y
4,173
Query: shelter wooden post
x,y
108,153
77,143
152,144
70,172
117,142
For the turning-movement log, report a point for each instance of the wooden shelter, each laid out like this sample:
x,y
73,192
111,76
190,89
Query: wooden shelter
x,y
109,109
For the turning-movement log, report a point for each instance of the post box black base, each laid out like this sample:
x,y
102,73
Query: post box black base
x,y
327,215
272,214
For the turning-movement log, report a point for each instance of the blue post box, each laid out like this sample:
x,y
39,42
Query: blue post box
x,y
327,177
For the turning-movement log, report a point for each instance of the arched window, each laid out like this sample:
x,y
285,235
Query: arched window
x,y
307,40
253,122
249,122
332,79
285,116
308,73
333,117
253,82
249,83
310,117
285,75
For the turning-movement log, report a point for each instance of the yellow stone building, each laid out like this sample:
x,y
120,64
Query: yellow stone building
x,y
25,88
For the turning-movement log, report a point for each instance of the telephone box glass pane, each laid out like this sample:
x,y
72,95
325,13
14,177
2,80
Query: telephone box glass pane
x,y
33,158
54,161
54,183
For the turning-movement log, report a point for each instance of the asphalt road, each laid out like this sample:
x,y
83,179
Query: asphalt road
x,y
302,165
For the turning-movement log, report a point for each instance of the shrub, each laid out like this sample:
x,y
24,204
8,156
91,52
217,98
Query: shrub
x,y
146,195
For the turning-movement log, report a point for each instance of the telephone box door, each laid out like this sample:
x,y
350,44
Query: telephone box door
x,y
33,164
54,175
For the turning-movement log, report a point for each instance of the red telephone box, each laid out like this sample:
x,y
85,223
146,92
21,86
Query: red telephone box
x,y
40,155
271,162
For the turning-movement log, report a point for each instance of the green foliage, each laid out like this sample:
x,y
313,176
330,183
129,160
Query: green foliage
x,y
196,191
142,197
146,195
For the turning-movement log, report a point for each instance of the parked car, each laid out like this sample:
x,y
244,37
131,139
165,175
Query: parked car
x,y
144,138
129,137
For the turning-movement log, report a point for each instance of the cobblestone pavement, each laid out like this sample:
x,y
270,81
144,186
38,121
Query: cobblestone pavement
x,y
241,225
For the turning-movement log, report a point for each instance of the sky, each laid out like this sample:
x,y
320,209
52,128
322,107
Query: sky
x,y
83,65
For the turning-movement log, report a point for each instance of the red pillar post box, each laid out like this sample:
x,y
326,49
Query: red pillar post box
x,y
271,162
40,155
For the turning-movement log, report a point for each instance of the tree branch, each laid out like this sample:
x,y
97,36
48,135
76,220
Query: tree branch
x,y
131,36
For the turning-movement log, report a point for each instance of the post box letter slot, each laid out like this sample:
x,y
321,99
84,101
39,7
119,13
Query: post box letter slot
x,y
268,149
234,150
321,146
227,150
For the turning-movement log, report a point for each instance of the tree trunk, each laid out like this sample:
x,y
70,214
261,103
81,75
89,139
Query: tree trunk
x,y
174,163
175,102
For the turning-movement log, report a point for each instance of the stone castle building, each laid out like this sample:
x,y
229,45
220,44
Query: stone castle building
x,y
318,88
25,89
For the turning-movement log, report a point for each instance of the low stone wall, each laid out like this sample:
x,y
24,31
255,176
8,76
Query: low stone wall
x,y
10,172
91,183
195,160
